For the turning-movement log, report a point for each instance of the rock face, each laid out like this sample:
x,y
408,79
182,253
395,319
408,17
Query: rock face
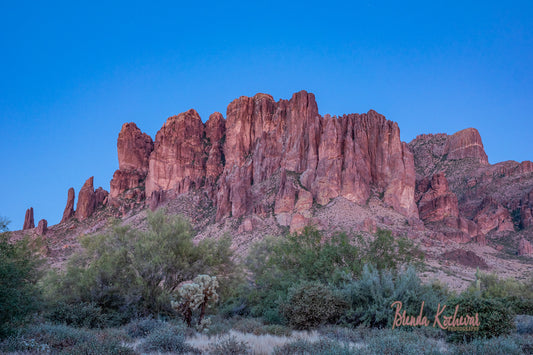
x,y
493,216
350,156
134,148
86,200
178,162
69,208
526,210
28,219
466,144
42,227
436,201
490,198
525,247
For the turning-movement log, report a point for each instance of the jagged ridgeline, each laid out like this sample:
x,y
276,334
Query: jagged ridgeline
x,y
273,165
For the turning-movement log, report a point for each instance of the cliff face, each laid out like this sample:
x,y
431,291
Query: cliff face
x,y
490,198
262,141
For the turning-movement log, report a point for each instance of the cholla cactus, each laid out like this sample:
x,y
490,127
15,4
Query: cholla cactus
x,y
198,293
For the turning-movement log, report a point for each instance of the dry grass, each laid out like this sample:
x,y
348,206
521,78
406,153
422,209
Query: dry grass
x,y
259,344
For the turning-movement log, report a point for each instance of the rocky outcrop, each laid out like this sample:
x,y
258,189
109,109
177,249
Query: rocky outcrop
x,y
86,200
28,219
466,144
525,247
435,200
134,148
526,211
69,208
42,227
349,156
465,258
178,162
492,215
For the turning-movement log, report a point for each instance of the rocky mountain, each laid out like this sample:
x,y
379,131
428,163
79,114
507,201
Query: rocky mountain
x,y
274,166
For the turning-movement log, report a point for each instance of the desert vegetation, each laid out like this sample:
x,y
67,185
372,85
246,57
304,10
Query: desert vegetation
x,y
156,291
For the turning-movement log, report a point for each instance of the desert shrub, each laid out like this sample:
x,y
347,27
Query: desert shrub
x,y
278,264
274,329
321,347
494,346
524,324
141,327
515,294
495,318
134,272
399,342
372,295
19,295
83,314
65,339
229,346
248,325
166,339
310,304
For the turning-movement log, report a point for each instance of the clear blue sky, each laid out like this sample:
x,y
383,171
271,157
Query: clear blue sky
x,y
71,74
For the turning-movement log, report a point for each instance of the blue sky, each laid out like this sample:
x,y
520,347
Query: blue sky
x,y
71,74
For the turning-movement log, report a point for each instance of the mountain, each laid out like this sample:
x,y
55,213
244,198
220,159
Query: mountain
x,y
272,167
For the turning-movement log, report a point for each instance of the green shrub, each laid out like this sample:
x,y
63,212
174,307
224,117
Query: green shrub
x,y
515,294
400,342
278,264
310,304
321,347
65,339
19,295
372,295
495,318
139,328
493,346
83,314
229,346
166,339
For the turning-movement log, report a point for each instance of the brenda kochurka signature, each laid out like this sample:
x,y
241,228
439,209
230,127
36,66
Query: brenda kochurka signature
x,y
455,322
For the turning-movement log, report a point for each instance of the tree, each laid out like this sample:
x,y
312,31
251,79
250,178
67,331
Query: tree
x,y
139,270
18,277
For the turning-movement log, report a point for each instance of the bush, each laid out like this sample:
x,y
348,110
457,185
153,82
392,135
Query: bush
x,y
399,342
229,346
494,346
278,264
372,295
139,328
310,304
166,339
19,296
495,318
515,294
321,347
65,339
87,315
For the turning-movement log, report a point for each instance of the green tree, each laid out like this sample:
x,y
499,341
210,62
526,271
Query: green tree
x,y
135,270
19,296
